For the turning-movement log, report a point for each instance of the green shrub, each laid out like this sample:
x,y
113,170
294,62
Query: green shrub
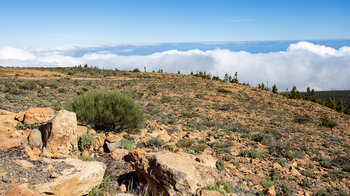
x,y
85,158
126,144
85,141
259,137
267,184
251,154
199,148
302,119
220,164
107,110
155,142
327,122
185,143
136,70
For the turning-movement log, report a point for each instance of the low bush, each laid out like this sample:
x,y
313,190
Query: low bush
x,y
155,142
251,154
85,158
107,110
85,141
126,144
327,122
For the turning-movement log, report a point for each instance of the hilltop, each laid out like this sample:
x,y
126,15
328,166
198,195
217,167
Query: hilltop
x,y
258,139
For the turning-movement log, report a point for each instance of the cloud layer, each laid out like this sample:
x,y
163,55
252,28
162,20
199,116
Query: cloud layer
x,y
303,64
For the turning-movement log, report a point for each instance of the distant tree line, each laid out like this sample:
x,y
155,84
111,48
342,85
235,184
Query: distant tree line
x,y
293,94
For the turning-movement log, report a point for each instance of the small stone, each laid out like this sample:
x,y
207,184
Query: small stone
x,y
122,188
53,175
101,150
85,153
5,179
118,154
270,191
23,180
35,139
92,132
48,168
25,164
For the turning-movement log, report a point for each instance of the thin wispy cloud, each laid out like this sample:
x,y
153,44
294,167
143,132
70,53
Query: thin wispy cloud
x,y
303,64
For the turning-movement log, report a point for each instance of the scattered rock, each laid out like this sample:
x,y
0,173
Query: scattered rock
x,y
294,171
85,153
81,130
35,140
53,175
122,188
113,137
5,179
118,153
112,146
22,191
23,180
205,192
36,115
25,164
6,143
48,168
33,154
76,181
62,141
135,155
270,191
92,132
169,173
7,121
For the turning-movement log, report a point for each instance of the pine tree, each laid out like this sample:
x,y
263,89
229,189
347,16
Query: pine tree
x,y
340,107
331,103
274,89
294,94
226,79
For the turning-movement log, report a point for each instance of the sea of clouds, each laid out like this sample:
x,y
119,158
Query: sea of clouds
x,y
302,64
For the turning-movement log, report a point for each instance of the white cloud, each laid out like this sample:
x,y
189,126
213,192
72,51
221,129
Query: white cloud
x,y
303,64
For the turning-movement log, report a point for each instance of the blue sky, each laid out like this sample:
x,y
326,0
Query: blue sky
x,y
39,23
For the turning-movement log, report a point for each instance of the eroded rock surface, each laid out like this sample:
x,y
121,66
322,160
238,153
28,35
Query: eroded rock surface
x,y
169,173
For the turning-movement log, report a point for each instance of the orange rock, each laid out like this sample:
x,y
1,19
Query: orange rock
x,y
92,132
38,115
205,192
48,168
81,130
85,153
19,191
294,171
33,154
270,191
25,164
113,138
122,188
118,153
136,154
20,116
101,150
6,143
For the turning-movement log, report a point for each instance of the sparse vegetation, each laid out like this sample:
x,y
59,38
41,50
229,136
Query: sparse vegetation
x,y
107,110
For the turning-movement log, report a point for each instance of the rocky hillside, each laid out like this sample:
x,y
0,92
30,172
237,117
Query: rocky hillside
x,y
202,137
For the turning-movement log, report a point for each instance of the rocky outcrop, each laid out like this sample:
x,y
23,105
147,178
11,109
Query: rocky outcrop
x,y
35,115
78,180
169,173
62,139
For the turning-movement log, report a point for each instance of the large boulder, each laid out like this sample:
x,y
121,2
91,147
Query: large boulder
x,y
7,121
74,181
61,137
35,115
167,173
